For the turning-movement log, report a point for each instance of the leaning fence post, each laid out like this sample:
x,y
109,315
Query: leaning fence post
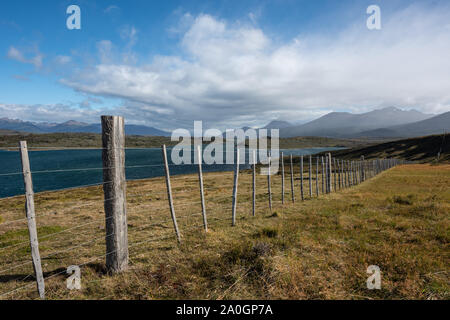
x,y
292,180
29,207
235,188
169,193
254,182
282,178
114,189
202,195
301,178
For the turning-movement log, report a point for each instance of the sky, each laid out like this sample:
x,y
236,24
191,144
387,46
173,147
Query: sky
x,y
229,63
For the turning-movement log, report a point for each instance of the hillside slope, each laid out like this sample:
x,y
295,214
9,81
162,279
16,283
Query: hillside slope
x,y
422,149
345,124
434,125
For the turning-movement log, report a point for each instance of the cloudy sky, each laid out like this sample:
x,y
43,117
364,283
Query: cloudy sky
x,y
228,63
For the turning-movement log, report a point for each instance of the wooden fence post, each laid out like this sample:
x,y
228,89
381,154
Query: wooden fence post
x,y
347,169
301,178
330,175
30,212
235,188
336,169
292,180
317,176
326,174
169,194
202,195
269,190
363,174
323,171
254,182
282,178
352,178
114,189
310,176
348,174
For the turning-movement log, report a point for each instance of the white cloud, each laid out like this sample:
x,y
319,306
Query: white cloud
x,y
16,54
111,8
63,59
231,75
47,113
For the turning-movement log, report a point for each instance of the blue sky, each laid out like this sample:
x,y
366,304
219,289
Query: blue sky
x,y
229,63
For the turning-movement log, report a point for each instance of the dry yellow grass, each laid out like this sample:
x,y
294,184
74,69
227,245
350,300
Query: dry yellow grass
x,y
316,249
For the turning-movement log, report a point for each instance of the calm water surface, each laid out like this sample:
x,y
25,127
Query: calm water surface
x,y
42,161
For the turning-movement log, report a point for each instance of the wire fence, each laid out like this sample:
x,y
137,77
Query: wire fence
x,y
73,231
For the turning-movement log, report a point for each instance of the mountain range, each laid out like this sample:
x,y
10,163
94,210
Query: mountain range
x,y
74,126
345,124
389,122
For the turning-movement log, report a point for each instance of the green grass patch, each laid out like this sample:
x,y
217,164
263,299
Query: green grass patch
x,y
17,236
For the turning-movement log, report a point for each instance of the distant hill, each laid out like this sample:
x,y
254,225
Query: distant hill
x,y
277,124
79,140
8,132
429,126
422,149
345,124
18,125
74,127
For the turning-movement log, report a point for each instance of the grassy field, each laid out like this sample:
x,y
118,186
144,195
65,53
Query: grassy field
x,y
316,249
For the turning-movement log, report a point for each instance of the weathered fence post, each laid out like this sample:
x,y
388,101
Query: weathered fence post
x,y
202,195
344,170
301,178
282,178
254,182
317,176
352,178
310,176
326,174
235,188
29,208
114,189
330,168
335,174
363,174
169,193
323,172
269,190
348,173
292,180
